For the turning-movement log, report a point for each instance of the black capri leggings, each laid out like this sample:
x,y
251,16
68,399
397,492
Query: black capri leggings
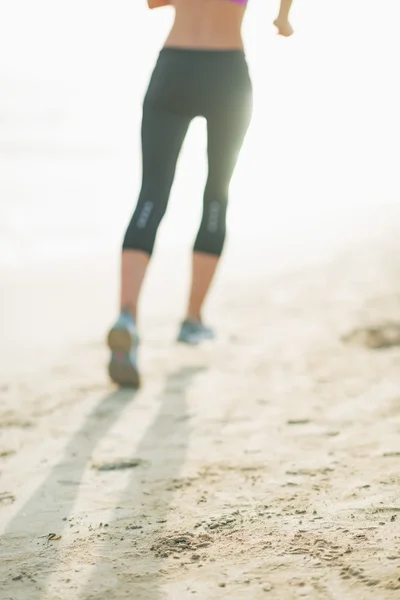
x,y
185,84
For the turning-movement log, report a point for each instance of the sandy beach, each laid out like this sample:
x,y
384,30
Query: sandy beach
x,y
263,465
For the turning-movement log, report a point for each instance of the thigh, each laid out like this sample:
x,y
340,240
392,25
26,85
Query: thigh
x,y
165,119
162,136
228,110
227,126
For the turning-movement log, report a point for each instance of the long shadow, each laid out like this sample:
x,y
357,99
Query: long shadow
x,y
62,482
128,566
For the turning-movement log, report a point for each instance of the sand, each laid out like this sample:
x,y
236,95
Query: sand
x,y
264,465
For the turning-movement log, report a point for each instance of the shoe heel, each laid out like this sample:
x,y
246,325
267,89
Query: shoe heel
x,y
124,374
120,340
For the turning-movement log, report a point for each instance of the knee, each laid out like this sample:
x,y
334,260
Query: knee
x,y
142,230
212,233
215,206
215,217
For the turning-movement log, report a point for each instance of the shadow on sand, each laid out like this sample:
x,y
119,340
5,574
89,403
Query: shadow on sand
x,y
163,446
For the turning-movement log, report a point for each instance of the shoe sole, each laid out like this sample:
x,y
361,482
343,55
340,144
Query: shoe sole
x,y
187,342
120,340
123,373
194,342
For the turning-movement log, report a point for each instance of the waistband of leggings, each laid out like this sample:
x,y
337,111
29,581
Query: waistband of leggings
x,y
193,52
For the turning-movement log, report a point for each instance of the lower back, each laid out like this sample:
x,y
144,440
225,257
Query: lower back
x,y
214,24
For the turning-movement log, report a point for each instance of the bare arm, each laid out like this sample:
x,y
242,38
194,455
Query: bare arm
x,y
157,3
282,21
284,10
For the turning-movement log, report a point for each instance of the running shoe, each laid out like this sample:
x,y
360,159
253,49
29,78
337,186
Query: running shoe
x,y
123,341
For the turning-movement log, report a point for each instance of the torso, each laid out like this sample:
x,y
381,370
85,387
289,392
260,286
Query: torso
x,y
207,24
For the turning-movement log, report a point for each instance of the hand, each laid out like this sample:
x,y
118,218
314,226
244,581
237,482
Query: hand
x,y
284,27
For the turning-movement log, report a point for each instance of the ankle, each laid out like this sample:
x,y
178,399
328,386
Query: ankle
x,y
129,312
193,316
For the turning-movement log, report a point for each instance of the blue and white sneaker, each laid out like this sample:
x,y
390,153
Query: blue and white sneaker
x,y
123,341
193,333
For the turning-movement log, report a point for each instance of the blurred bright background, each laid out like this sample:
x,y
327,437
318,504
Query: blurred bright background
x,y
323,145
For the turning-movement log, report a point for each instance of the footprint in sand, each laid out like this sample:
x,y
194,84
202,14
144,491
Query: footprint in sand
x,y
118,465
180,542
6,453
7,498
378,337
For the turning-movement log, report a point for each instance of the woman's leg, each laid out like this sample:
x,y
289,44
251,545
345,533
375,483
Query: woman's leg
x,y
134,265
163,133
226,130
203,271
